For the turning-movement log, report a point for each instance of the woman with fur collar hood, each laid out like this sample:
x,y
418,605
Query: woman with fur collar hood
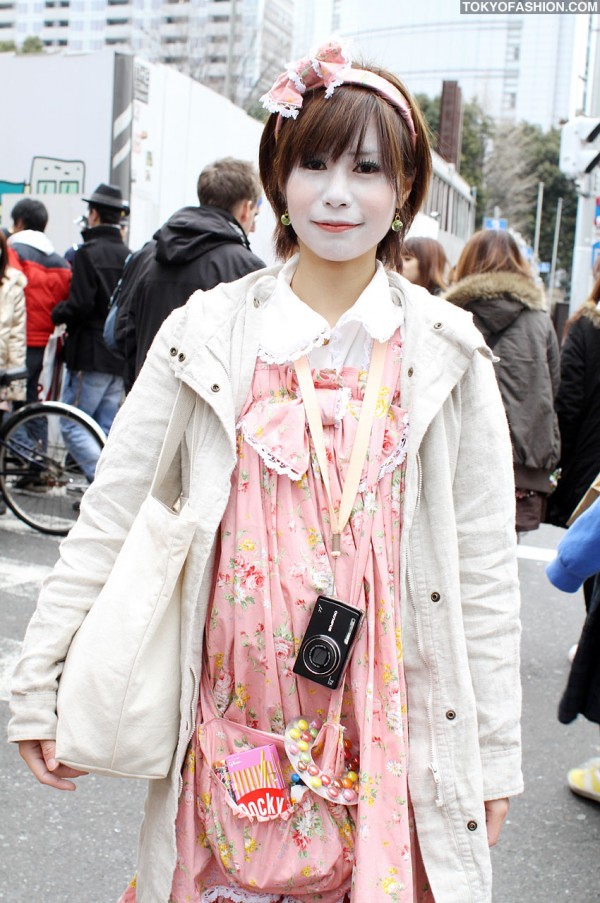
x,y
493,282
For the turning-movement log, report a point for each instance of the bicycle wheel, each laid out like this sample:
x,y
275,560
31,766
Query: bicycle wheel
x,y
46,450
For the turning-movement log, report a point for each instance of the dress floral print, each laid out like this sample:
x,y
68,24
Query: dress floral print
x,y
272,563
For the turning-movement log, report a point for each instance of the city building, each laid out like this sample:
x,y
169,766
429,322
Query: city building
x,y
519,67
236,47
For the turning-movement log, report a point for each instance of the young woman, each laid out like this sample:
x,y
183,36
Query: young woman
x,y
424,262
493,282
427,716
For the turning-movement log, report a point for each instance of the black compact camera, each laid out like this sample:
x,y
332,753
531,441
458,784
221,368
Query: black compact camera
x,y
326,645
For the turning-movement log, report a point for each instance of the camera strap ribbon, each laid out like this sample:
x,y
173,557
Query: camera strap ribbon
x,y
339,519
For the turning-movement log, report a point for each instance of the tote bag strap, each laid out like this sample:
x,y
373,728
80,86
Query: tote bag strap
x,y
180,417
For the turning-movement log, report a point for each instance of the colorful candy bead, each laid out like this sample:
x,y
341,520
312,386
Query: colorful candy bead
x,y
302,724
294,733
294,749
302,745
333,792
306,736
301,766
314,733
325,780
315,782
313,769
316,725
349,795
337,783
347,783
352,776
306,757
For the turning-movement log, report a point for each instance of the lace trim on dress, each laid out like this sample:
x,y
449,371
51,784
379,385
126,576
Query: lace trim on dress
x,y
237,895
271,460
392,461
342,404
287,356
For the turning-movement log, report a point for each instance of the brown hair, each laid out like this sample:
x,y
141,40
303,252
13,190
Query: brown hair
x,y
489,251
432,262
227,182
329,126
3,255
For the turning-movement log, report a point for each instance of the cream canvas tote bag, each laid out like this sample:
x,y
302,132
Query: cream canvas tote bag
x,y
119,692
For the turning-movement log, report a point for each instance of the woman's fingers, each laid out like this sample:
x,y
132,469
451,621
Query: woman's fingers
x,y
495,813
39,756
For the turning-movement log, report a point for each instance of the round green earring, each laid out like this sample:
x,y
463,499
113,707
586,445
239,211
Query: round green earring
x,y
397,223
285,219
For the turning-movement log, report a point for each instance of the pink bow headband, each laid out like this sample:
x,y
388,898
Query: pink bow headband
x,y
328,68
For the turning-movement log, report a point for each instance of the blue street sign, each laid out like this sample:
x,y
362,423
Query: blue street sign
x,y
491,222
595,252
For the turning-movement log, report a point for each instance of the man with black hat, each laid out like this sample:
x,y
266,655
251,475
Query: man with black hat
x,y
93,381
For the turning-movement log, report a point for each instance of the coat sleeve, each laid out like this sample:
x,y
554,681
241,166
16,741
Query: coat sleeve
x,y
79,306
570,401
484,501
122,481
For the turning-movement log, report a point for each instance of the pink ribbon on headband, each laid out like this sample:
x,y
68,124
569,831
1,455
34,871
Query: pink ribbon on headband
x,y
329,68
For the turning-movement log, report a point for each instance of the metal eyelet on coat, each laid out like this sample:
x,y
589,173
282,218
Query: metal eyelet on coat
x,y
472,825
435,597
181,356
172,351
256,302
438,325
450,714
410,371
215,387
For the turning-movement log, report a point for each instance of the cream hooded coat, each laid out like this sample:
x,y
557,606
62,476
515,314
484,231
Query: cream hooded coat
x,y
12,330
458,565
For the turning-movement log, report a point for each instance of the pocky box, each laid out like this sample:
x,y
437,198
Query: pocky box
x,y
258,784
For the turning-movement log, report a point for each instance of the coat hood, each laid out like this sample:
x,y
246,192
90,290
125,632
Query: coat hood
x,y
496,299
591,311
192,231
37,240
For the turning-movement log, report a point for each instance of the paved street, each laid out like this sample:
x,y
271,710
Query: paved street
x,y
79,848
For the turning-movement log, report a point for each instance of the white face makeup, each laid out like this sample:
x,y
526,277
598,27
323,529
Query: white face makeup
x,y
341,209
410,269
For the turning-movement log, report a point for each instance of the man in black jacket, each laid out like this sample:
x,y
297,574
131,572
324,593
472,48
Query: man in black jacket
x,y
93,381
197,248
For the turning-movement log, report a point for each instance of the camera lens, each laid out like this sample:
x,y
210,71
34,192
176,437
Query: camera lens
x,y
321,655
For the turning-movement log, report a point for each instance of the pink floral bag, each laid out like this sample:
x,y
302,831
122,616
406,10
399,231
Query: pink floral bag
x,y
321,829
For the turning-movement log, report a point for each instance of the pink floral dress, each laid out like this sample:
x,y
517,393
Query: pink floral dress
x,y
272,564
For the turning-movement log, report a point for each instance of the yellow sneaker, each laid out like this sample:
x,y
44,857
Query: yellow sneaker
x,y
585,781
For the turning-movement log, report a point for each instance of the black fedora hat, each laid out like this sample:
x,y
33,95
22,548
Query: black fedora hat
x,y
108,196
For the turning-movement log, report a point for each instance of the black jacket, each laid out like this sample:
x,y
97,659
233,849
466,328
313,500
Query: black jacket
x,y
578,408
97,267
510,310
197,248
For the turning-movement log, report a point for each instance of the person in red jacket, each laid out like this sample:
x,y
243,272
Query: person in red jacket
x,y
48,281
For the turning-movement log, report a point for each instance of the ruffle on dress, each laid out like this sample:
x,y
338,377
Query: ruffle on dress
x,y
276,428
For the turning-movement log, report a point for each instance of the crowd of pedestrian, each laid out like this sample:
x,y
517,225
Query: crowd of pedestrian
x,y
503,413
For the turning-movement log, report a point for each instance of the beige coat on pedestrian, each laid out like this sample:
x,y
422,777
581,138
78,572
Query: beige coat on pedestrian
x,y
460,595
13,348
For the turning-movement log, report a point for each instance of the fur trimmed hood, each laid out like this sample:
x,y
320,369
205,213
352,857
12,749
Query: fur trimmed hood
x,y
591,311
496,299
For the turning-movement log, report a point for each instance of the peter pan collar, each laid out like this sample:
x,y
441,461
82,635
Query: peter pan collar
x,y
292,329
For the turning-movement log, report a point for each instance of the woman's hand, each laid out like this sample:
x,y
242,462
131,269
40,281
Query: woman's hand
x,y
495,813
39,758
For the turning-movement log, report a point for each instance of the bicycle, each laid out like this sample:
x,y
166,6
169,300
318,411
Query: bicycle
x,y
40,481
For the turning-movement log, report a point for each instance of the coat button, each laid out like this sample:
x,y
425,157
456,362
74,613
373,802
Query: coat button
x,y
181,356
435,597
438,325
172,351
256,302
472,825
215,387
450,714
410,371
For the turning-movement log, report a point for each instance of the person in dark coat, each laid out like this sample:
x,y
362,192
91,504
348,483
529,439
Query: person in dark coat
x,y
93,381
494,283
578,558
578,409
197,248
